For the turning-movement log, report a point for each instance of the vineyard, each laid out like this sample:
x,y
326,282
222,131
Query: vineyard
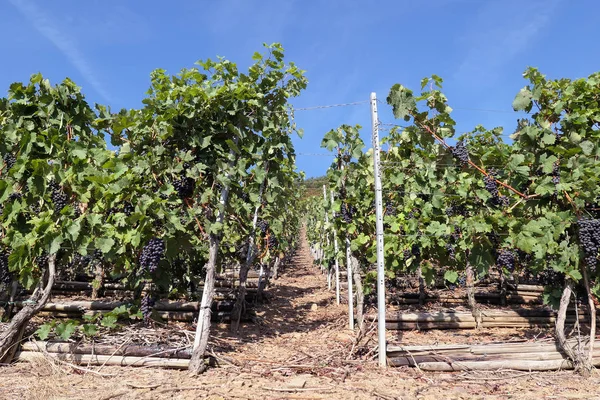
x,y
181,236
470,220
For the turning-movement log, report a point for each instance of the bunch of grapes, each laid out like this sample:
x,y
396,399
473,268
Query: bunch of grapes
x,y
410,215
9,160
451,251
462,280
490,185
128,208
555,174
589,239
456,234
549,277
184,187
152,254
501,201
389,209
263,226
347,212
507,259
58,196
15,196
460,152
42,261
146,306
5,275
454,209
272,242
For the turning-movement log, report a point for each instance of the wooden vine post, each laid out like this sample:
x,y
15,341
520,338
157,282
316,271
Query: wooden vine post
x,y
245,267
197,363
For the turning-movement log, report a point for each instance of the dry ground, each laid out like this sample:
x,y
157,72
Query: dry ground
x,y
300,348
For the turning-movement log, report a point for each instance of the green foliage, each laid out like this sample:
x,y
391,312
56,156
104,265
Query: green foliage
x,y
200,134
439,212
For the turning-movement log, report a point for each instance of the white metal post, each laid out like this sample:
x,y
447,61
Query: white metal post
x,y
336,249
326,238
350,291
379,227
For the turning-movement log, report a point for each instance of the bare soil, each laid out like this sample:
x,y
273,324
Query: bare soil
x,y
299,348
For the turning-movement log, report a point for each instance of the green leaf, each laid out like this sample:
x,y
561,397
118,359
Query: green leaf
x,y
66,329
109,321
56,243
587,147
90,329
104,244
451,276
522,100
43,332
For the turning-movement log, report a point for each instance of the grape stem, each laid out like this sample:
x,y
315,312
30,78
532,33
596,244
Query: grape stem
x,y
472,164
187,203
571,202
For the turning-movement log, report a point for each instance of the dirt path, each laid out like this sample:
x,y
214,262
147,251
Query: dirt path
x,y
298,349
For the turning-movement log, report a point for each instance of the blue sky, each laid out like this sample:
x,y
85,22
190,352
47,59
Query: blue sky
x,y
349,49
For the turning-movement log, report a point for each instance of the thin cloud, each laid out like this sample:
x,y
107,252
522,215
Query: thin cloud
x,y
63,43
513,30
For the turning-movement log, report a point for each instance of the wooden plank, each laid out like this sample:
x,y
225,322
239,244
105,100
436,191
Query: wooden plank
x,y
429,325
89,359
519,365
100,349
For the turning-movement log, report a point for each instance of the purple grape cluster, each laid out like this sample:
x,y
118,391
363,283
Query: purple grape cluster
x,y
347,212
589,239
146,306
389,209
456,234
507,259
58,196
272,242
263,226
460,152
128,208
42,261
555,174
549,277
9,160
184,187
456,209
490,185
451,251
152,254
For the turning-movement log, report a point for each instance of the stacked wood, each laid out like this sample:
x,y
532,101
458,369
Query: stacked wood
x,y
516,318
166,310
523,356
523,295
221,285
